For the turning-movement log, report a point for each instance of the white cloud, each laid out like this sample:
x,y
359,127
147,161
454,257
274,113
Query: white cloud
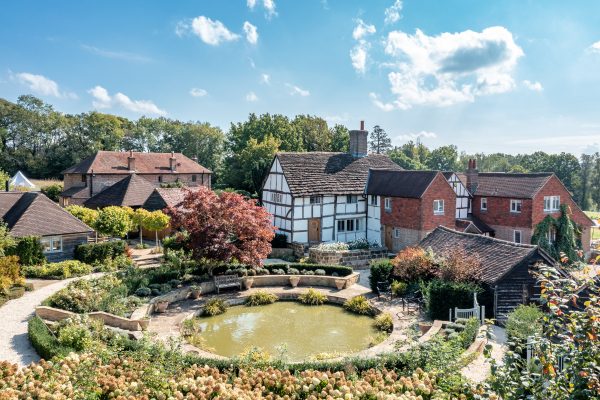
x,y
295,90
358,55
380,104
251,33
417,135
450,68
535,86
392,13
212,32
121,55
251,97
270,8
595,47
197,92
251,4
39,84
102,99
265,78
362,30
337,119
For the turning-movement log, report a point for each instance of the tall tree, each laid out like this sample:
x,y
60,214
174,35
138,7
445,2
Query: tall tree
x,y
444,158
340,138
379,141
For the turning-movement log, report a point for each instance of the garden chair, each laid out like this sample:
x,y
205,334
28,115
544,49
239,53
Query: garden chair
x,y
384,288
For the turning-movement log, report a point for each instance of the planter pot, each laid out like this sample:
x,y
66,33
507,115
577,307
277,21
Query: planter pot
x,y
144,323
340,284
424,327
248,282
294,280
161,306
195,293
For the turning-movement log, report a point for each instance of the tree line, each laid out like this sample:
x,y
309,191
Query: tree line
x,y
42,142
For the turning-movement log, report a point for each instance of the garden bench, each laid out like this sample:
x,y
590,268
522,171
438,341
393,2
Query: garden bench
x,y
227,281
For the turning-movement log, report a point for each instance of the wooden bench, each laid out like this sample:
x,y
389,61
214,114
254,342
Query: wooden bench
x,y
227,281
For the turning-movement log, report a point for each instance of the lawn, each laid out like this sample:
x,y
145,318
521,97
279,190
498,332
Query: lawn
x,y
595,215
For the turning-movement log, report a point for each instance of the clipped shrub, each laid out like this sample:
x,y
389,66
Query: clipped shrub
x,y
358,305
441,296
29,249
399,288
330,270
59,270
279,241
380,272
384,322
93,253
293,271
312,297
320,272
43,341
214,307
469,332
143,291
260,298
524,321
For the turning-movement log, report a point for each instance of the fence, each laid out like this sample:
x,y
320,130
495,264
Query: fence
x,y
476,312
561,361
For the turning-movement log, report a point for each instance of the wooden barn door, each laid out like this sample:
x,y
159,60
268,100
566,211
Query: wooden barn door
x,y
314,230
389,239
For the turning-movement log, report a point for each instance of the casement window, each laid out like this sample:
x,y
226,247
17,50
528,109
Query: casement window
x,y
348,225
438,207
351,199
374,201
517,237
515,206
276,197
396,233
388,204
193,178
51,244
551,203
315,199
484,204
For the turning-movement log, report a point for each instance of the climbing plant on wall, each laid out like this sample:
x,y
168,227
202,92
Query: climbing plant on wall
x,y
560,237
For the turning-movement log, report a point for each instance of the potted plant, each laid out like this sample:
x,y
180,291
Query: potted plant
x,y
424,327
294,280
144,323
161,306
248,282
195,291
340,284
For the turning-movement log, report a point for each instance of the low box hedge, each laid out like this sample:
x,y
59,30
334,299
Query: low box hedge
x,y
340,270
58,270
43,341
92,253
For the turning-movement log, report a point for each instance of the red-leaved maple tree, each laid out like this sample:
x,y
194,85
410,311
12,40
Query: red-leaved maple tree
x,y
224,227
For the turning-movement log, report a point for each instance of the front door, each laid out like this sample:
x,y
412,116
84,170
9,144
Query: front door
x,y
314,230
389,240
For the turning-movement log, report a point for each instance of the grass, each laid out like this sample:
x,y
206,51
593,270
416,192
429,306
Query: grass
x,y
42,183
595,215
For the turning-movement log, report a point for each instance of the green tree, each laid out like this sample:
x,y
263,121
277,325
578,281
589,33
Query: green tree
x,y
6,239
113,221
86,215
444,158
156,221
340,138
587,170
399,157
379,141
566,244
313,131
139,218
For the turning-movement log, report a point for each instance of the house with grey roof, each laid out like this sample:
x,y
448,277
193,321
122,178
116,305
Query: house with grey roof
x,y
319,196
33,214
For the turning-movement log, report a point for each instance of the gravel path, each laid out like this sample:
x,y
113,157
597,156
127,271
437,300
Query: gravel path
x,y
480,368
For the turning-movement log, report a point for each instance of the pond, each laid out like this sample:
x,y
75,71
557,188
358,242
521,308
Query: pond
x,y
301,330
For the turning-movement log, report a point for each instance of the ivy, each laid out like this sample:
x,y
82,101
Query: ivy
x,y
566,247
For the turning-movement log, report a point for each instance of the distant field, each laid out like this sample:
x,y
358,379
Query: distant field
x,y
595,215
42,183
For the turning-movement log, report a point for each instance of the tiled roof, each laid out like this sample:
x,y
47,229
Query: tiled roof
x,y
321,173
74,191
131,191
33,214
166,197
499,256
394,183
501,184
115,162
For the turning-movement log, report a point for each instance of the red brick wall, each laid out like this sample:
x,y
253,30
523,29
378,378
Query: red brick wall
x,y
498,212
406,213
555,188
438,190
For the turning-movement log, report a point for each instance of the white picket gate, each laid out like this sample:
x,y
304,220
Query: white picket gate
x,y
475,312
561,360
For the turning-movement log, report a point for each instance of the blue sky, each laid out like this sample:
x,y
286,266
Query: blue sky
x,y
511,76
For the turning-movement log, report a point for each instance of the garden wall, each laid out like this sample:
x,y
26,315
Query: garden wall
x,y
305,280
351,258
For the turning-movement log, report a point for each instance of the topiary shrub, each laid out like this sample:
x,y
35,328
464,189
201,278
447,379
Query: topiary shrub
x,y
93,253
358,305
380,272
441,296
214,307
29,249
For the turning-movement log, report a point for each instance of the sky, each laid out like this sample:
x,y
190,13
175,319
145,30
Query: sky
x,y
503,76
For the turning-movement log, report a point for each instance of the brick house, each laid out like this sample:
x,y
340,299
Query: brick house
x,y
106,168
404,206
33,214
512,204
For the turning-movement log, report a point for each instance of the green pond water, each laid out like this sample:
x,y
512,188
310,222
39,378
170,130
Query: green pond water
x,y
302,330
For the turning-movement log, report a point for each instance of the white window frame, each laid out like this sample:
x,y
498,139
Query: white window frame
x,y
387,202
315,200
515,236
515,203
344,225
484,204
396,233
351,199
374,200
49,244
437,210
551,204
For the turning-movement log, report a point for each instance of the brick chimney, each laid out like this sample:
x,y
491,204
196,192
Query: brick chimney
x,y
173,162
358,141
131,162
472,175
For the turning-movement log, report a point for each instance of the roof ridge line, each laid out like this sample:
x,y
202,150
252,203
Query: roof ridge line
x,y
491,239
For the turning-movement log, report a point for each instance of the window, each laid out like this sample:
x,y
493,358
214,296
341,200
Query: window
x,y
193,178
351,199
373,200
276,197
315,199
348,225
160,178
388,204
517,236
551,235
551,203
438,207
52,244
396,233
515,206
484,204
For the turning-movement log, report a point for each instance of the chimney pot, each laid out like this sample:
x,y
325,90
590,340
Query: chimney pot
x,y
362,125
472,175
131,161
358,141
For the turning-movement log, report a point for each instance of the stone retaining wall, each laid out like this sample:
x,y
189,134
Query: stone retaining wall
x,y
56,314
281,253
305,280
351,258
299,249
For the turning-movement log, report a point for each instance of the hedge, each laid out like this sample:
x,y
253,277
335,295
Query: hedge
x,y
59,270
441,296
329,269
96,252
43,341
381,271
29,249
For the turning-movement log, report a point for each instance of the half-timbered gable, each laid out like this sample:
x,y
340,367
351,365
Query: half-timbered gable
x,y
463,197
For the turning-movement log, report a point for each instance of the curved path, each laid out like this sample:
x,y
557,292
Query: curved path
x,y
14,342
